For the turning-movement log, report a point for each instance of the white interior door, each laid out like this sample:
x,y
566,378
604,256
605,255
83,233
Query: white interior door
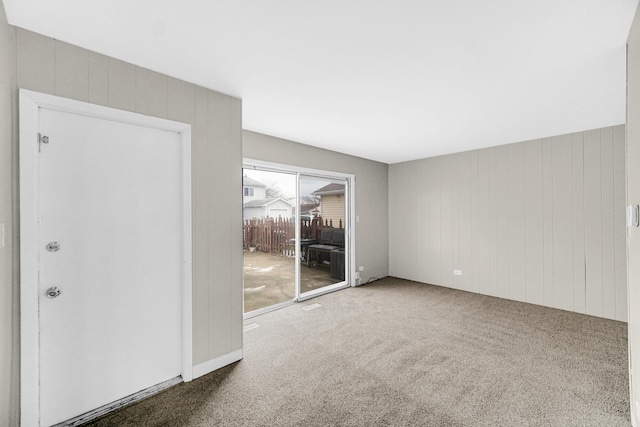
x,y
110,194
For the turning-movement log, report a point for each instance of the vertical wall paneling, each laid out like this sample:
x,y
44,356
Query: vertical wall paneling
x,y
465,211
516,222
619,188
534,223
446,209
539,221
151,93
608,233
181,100
200,213
562,222
416,237
483,253
547,220
493,221
455,221
578,222
219,112
423,218
394,260
405,230
237,296
502,219
71,71
35,62
593,223
474,213
435,218
122,85
98,85
398,229
407,239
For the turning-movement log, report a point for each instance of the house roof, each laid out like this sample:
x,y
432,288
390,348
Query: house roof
x,y
264,202
250,182
332,188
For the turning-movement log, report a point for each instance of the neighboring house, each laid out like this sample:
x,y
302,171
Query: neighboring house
x,y
332,203
252,190
272,208
255,203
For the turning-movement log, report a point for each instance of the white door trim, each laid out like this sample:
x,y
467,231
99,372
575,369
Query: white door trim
x,y
30,103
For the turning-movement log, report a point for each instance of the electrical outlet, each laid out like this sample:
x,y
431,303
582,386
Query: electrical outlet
x,y
457,272
361,268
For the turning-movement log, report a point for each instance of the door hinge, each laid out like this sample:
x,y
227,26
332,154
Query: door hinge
x,y
42,139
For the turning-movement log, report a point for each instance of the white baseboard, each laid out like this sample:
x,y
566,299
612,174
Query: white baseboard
x,y
217,363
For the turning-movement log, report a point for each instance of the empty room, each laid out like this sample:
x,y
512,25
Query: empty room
x,y
422,213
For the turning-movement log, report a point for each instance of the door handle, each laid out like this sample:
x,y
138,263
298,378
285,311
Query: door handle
x,y
53,292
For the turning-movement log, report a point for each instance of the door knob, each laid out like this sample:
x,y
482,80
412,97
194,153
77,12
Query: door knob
x,y
53,292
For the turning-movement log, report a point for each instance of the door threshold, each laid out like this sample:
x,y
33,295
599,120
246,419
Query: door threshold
x,y
303,297
323,291
109,407
264,310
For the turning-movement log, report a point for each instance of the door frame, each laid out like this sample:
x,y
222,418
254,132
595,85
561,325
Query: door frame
x,y
350,236
30,103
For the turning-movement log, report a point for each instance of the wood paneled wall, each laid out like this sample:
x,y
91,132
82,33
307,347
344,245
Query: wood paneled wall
x,y
540,221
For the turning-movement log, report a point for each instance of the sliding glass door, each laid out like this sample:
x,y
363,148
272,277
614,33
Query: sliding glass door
x,y
268,210
295,239
323,209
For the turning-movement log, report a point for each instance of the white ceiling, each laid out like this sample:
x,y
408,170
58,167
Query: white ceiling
x,y
381,79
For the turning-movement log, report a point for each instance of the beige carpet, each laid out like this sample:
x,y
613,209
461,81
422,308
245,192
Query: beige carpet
x,y
396,352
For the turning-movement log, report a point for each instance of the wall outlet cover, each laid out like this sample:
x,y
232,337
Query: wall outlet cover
x,y
457,272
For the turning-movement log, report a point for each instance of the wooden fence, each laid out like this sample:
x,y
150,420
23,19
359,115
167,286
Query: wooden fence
x,y
277,235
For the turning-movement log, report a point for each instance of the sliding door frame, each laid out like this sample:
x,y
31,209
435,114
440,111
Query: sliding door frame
x,y
350,273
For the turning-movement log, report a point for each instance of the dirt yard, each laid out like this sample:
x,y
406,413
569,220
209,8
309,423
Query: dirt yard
x,y
270,279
